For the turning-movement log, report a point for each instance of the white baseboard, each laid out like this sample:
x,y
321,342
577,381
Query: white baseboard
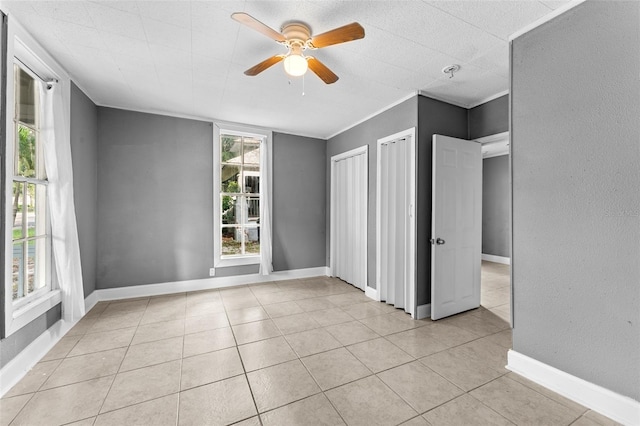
x,y
147,290
20,365
372,293
90,301
620,408
424,311
496,259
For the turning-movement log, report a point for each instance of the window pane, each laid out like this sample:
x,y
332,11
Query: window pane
x,y
231,209
18,270
231,241
253,211
251,151
25,97
251,180
17,198
252,238
36,204
26,153
40,210
229,178
231,149
36,262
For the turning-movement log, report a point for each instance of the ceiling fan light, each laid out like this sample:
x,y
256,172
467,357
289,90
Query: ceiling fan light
x,y
295,65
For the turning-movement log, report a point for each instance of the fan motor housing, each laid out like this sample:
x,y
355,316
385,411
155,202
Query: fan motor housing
x,y
296,32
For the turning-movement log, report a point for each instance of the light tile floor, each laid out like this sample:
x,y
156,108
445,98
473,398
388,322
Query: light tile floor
x,y
300,352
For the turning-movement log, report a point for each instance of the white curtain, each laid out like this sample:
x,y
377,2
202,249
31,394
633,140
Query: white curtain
x,y
395,162
266,266
64,231
351,188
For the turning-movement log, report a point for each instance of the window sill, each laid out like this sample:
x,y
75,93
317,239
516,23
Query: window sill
x,y
33,310
237,261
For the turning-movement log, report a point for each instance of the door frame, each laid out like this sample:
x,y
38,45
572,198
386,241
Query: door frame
x,y
364,149
410,260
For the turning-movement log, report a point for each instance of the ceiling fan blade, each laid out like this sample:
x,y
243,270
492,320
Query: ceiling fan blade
x,y
321,70
353,31
257,69
251,22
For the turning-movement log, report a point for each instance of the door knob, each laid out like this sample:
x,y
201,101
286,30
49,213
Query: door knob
x,y
439,241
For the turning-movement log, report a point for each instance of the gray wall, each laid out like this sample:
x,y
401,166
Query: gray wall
x,y
496,239
393,120
84,153
154,198
434,117
155,186
489,118
299,188
576,210
18,341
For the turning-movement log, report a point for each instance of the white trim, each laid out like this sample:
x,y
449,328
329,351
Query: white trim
x,y
372,293
424,311
496,259
410,284
442,99
489,99
498,137
147,290
27,313
90,301
378,112
242,130
620,408
19,366
557,12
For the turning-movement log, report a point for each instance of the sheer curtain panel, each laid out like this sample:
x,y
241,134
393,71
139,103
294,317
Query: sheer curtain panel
x,y
64,230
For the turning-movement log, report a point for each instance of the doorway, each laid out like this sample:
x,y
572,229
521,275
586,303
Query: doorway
x,y
496,229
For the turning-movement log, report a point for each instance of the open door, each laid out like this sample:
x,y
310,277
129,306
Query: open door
x,y
456,226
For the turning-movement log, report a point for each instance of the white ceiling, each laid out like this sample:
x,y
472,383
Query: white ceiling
x,y
187,58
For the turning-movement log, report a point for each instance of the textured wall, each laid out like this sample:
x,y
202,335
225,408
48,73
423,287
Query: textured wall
x,y
155,201
489,118
84,153
576,209
400,117
496,238
299,186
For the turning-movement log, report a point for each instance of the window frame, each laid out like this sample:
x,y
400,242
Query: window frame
x,y
41,292
221,261
24,51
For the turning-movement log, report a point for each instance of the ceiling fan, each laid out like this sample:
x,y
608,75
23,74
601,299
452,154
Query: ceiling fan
x,y
296,36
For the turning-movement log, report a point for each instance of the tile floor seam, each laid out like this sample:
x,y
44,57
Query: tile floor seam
x,y
540,393
33,394
134,404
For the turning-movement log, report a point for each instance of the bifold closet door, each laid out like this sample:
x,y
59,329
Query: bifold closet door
x,y
350,215
394,221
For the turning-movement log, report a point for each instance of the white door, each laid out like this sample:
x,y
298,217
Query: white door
x,y
395,244
456,226
349,200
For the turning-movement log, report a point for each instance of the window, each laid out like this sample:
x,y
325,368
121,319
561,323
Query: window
x,y
31,239
238,185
